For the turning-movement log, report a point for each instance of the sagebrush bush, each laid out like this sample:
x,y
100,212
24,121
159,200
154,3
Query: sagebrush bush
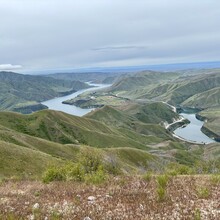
x,y
97,177
174,169
75,172
89,168
54,174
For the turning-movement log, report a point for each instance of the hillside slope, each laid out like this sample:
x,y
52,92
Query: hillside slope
x,y
55,137
18,92
141,79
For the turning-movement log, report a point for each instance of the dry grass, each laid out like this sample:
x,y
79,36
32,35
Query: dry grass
x,y
119,198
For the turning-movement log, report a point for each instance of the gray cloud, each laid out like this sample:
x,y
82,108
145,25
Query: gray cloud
x,y
79,33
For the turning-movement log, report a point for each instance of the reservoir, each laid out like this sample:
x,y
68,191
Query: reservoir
x,y
56,103
192,132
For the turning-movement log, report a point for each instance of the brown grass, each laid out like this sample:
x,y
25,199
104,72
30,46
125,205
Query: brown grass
x,y
119,198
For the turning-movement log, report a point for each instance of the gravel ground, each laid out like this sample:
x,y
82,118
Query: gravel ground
x,y
187,197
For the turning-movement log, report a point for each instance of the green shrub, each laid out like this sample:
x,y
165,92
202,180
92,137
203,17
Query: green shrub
x,y
89,168
175,169
90,159
161,193
147,176
53,174
75,172
162,180
97,177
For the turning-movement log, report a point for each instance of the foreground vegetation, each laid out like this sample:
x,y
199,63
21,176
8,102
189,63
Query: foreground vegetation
x,y
123,197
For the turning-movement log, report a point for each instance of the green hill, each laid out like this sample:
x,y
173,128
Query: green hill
x,y
23,93
95,77
28,143
199,90
207,99
184,88
211,126
141,79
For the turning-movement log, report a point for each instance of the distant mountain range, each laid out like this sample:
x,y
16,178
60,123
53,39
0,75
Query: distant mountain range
x,y
156,67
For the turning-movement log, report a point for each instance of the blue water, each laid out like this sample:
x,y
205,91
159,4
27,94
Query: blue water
x,y
192,132
56,103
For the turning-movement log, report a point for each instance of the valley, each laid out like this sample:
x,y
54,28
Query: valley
x,y
126,135
126,122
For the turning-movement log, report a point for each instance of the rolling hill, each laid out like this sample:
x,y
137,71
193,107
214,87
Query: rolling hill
x,y
95,77
50,137
23,93
195,91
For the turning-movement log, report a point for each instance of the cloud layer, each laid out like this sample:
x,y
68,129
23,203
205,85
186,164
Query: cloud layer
x,y
9,67
50,34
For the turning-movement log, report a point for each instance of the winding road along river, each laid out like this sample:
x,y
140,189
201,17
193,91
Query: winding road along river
x,y
192,132
56,103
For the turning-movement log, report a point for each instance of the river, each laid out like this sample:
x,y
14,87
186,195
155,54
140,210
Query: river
x,y
56,103
192,132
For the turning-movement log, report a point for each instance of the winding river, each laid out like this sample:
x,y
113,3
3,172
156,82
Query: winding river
x,y
192,132
56,103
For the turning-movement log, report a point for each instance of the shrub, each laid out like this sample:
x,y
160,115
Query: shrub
x,y
90,159
147,176
161,193
75,172
97,177
174,169
162,180
89,168
53,174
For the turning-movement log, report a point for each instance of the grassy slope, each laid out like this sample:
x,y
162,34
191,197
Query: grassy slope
x,y
141,79
17,90
212,123
188,90
16,160
184,88
207,99
140,122
50,136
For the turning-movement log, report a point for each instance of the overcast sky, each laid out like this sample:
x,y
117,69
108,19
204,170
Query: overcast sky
x,y
50,34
